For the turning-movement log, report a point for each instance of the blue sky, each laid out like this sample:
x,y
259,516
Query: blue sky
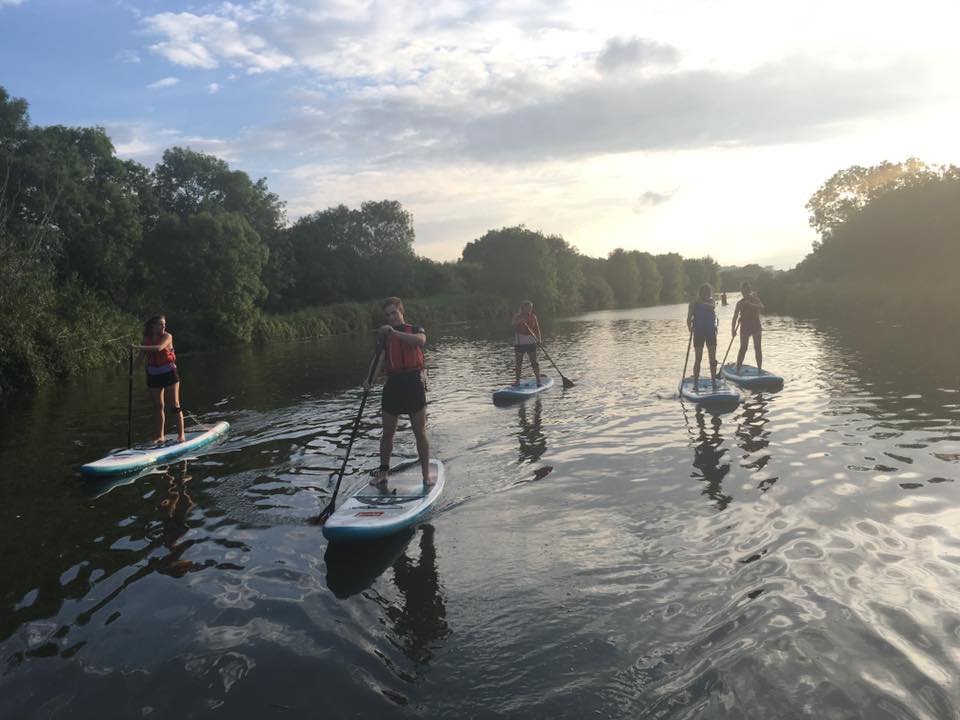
x,y
690,126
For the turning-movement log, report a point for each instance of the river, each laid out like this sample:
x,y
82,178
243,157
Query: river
x,y
599,551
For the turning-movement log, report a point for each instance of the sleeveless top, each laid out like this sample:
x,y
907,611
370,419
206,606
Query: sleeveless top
x,y
749,317
522,333
704,318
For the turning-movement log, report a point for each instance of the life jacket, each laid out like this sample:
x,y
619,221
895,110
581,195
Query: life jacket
x,y
525,328
401,357
704,318
160,358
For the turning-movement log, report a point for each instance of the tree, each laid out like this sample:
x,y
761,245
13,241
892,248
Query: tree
x,y
673,278
650,280
700,271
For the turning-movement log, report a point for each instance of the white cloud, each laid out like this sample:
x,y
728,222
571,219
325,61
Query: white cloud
x,y
10,2
128,56
205,41
165,82
213,88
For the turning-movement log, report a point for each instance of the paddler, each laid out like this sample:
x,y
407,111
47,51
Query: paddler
x,y
748,309
163,378
702,322
526,337
404,393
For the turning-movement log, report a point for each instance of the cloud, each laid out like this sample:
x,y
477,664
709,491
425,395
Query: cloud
x,y
634,53
10,2
128,56
651,199
213,88
165,82
206,41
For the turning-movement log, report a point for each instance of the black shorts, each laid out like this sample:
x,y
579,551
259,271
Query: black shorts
x,y
709,338
161,381
404,394
530,350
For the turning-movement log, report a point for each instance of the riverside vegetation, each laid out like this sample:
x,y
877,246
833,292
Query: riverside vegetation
x,y
91,244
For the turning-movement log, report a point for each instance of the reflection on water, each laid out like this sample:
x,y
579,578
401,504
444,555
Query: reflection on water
x,y
793,557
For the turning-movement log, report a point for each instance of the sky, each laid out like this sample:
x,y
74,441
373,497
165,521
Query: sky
x,y
689,126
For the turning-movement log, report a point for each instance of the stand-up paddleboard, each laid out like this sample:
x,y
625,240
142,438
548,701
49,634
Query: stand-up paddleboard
x,y
750,377
143,456
524,390
374,511
725,394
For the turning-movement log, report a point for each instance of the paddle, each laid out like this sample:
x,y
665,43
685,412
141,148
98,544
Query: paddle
x,y
328,510
566,383
687,358
130,403
732,337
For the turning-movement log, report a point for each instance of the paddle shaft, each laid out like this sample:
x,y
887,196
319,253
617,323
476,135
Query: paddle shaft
x,y
328,510
732,337
566,382
687,358
130,403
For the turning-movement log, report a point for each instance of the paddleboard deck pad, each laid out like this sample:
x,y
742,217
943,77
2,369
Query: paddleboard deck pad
x,y
704,392
525,389
137,458
375,511
750,377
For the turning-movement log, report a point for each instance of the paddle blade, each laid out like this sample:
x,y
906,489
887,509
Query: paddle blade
x,y
567,383
324,515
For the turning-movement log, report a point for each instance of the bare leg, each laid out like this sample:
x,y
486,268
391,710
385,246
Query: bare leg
x,y
712,351
173,396
536,371
418,421
758,351
744,339
518,365
156,394
386,447
697,359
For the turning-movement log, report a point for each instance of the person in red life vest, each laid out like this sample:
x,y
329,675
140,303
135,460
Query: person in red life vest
x,y
526,337
163,379
748,309
401,360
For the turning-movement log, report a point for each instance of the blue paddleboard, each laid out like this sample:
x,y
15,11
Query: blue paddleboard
x,y
749,377
524,390
375,511
704,392
143,456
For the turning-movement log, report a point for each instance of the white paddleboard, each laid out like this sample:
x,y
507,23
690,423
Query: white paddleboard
x,y
704,392
374,511
143,456
525,389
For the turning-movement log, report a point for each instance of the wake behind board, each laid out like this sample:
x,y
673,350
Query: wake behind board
x,y
725,394
375,511
524,390
143,456
750,377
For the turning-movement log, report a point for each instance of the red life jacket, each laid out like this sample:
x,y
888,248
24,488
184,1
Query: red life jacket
x,y
159,358
401,357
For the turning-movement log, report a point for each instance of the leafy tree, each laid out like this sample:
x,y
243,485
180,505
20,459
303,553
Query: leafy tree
x,y
623,275
673,278
700,271
650,280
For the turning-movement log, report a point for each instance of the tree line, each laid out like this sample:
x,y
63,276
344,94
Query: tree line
x,y
90,245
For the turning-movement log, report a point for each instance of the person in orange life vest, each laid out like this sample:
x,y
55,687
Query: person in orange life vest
x,y
163,378
401,360
526,335
702,322
748,310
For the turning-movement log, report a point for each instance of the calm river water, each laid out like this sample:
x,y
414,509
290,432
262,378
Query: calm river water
x,y
601,551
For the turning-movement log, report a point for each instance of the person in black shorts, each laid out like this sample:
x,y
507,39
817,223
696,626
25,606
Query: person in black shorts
x,y
163,377
401,360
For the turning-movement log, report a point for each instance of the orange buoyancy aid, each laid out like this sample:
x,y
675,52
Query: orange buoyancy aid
x,y
401,357
160,358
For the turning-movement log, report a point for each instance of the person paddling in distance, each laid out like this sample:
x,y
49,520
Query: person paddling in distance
x,y
748,309
401,360
702,322
526,337
163,378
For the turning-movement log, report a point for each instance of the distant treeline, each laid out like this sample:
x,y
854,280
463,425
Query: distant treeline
x,y
889,249
91,245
